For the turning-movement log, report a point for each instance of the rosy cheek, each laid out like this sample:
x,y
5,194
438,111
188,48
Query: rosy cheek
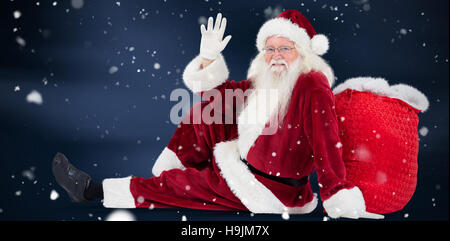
x,y
292,59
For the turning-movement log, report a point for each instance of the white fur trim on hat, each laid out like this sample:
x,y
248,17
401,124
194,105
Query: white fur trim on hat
x,y
284,27
380,86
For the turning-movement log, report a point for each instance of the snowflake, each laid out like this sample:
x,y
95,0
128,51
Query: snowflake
x,y
54,195
423,131
77,4
140,199
120,215
113,69
34,97
17,14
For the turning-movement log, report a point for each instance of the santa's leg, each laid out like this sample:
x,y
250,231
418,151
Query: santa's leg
x,y
189,188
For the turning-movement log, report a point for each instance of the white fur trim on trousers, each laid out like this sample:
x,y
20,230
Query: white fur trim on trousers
x,y
117,194
167,160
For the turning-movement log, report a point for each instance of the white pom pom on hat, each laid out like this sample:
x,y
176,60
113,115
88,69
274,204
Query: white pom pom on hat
x,y
294,26
320,44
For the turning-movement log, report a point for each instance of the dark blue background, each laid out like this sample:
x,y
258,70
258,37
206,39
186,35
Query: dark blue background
x,y
115,125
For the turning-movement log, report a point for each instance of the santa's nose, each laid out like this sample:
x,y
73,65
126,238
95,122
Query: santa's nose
x,y
277,56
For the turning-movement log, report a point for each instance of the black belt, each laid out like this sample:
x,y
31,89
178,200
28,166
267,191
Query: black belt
x,y
285,180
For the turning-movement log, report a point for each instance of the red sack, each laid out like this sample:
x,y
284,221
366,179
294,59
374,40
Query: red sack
x,y
378,130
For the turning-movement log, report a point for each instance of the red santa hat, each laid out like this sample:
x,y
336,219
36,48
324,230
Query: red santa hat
x,y
294,26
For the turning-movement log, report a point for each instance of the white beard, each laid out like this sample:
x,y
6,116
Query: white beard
x,y
279,79
263,105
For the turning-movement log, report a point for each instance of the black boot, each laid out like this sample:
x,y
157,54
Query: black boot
x,y
74,181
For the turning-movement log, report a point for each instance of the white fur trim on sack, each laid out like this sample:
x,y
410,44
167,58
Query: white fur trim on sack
x,y
253,194
117,194
284,27
167,160
198,80
380,86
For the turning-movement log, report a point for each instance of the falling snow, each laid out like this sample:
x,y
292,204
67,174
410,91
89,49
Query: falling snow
x,y
54,195
21,41
29,173
120,215
34,97
17,14
285,215
77,4
423,131
140,199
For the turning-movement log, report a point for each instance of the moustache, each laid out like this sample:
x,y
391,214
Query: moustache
x,y
278,62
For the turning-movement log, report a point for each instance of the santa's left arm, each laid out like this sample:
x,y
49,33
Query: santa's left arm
x,y
340,197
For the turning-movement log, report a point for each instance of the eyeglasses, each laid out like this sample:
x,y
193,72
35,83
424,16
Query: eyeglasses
x,y
281,50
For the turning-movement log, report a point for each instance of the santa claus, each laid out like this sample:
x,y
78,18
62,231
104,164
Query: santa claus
x,y
261,160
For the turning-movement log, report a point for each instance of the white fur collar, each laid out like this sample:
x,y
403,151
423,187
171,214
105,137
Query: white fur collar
x,y
254,117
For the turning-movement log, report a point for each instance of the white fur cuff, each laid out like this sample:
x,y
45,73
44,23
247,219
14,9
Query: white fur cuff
x,y
213,75
117,194
344,201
